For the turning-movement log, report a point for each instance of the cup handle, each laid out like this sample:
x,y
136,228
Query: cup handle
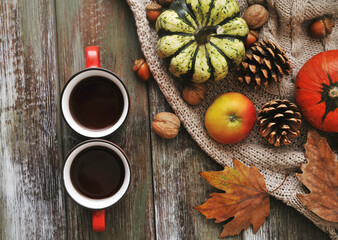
x,y
98,220
92,57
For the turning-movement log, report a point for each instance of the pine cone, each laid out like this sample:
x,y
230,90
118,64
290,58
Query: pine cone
x,y
266,63
280,122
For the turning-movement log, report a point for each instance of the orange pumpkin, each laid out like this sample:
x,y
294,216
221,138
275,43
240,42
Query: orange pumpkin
x,y
317,91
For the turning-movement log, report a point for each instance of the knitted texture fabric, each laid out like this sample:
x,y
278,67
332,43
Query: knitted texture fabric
x,y
288,27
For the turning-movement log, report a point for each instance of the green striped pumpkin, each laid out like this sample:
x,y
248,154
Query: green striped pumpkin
x,y
201,38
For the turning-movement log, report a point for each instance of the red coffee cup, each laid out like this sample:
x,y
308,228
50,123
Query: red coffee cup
x,y
96,175
94,102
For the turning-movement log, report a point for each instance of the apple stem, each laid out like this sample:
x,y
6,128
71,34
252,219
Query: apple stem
x,y
286,175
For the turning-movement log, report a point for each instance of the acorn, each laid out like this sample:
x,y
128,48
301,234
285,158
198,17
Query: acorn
x,y
251,38
142,70
154,10
321,27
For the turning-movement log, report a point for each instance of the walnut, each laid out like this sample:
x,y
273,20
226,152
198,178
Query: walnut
x,y
166,125
194,93
255,16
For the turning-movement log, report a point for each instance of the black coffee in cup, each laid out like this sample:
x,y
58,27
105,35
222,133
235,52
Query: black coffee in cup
x,y
96,103
97,172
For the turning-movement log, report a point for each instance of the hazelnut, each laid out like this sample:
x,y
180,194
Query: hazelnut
x,y
165,2
194,93
321,27
154,10
166,125
255,16
251,38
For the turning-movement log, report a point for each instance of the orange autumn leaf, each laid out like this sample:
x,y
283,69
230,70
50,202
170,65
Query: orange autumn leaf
x,y
320,176
246,199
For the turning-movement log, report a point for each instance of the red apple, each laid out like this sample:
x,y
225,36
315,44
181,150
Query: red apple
x,y
230,118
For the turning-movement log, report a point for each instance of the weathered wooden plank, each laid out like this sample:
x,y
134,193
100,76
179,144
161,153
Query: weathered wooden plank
x,y
177,185
109,24
286,223
31,194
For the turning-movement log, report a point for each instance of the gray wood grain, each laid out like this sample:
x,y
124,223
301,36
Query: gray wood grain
x,y
286,223
110,25
177,185
178,188
31,198
42,44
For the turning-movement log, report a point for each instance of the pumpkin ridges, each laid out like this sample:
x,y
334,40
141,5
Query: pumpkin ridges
x,y
232,10
186,16
181,8
318,109
180,65
236,27
231,49
313,100
331,103
180,50
166,47
307,80
224,36
308,73
321,91
209,61
192,13
189,74
331,118
314,81
198,8
162,33
194,7
202,69
228,19
223,54
170,21
220,67
212,5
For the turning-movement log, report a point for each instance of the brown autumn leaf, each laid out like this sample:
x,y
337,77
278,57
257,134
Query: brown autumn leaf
x,y
246,199
320,176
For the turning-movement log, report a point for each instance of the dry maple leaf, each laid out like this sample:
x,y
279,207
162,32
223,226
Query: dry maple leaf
x,y
246,199
320,176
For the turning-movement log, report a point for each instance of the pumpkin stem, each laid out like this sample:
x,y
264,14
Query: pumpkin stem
x,y
202,35
333,92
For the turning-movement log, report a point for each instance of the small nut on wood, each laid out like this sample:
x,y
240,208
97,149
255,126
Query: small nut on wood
x,y
194,93
255,16
166,125
142,70
321,27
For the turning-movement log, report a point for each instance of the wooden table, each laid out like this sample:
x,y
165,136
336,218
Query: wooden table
x,y
41,45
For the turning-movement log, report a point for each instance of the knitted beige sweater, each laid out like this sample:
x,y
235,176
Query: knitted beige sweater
x,y
287,26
